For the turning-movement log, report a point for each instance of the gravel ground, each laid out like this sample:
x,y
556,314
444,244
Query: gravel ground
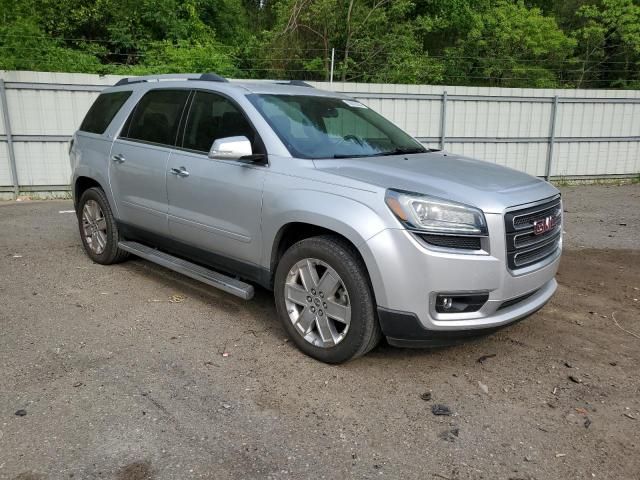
x,y
121,375
602,216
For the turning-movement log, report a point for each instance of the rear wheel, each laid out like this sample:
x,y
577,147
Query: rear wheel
x,y
98,228
324,300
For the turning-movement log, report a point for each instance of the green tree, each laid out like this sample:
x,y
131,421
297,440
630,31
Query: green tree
x,y
510,45
23,46
609,45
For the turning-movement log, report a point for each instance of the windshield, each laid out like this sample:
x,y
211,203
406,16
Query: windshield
x,y
325,127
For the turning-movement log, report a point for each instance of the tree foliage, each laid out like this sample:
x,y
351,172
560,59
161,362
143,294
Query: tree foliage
x,y
511,43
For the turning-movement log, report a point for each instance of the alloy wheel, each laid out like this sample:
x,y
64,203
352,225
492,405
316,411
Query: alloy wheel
x,y
94,226
317,302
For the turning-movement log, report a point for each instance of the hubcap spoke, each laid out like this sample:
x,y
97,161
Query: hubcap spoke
x,y
101,240
305,321
324,329
341,313
86,213
101,224
309,275
296,294
329,283
93,210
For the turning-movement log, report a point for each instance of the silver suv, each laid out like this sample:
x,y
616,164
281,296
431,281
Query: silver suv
x,y
359,230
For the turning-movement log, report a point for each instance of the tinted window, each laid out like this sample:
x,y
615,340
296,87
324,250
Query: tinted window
x,y
211,117
103,110
156,117
325,127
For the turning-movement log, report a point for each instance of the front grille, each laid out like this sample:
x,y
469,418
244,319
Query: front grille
x,y
450,241
525,246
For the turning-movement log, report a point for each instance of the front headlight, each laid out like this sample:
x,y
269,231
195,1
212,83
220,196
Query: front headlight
x,y
429,214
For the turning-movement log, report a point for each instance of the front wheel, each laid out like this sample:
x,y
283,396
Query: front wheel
x,y
324,300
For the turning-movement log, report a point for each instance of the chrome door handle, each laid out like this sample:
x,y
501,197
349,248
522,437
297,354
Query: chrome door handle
x,y
118,158
180,172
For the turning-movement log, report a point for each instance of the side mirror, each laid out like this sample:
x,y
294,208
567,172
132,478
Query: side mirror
x,y
231,148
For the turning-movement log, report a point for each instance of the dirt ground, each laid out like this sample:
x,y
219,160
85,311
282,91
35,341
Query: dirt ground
x,y
120,375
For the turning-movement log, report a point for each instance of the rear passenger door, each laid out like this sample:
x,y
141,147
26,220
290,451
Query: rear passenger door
x,y
139,156
217,205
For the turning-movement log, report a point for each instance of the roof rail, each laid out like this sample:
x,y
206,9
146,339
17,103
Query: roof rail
x,y
293,83
299,83
207,77
212,77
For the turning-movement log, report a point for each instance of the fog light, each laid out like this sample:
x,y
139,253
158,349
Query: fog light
x,y
447,303
460,303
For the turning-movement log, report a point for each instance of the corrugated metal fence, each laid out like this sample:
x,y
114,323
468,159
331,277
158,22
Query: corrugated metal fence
x,y
552,133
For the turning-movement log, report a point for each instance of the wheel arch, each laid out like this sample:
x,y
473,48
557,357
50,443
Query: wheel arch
x,y
294,231
81,184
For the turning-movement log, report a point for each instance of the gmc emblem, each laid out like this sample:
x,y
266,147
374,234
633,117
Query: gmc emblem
x,y
544,225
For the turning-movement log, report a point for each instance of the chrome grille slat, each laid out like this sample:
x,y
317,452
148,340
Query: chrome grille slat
x,y
526,220
536,238
536,254
524,247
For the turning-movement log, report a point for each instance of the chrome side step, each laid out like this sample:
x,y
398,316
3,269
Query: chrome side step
x,y
202,274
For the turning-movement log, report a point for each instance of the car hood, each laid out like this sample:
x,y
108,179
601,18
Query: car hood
x,y
485,185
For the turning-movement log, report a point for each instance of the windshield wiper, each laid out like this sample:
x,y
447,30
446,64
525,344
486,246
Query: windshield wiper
x,y
397,151
355,155
404,151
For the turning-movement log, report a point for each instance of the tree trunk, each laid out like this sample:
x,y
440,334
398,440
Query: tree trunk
x,y
347,42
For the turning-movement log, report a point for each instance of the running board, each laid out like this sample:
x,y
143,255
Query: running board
x,y
202,274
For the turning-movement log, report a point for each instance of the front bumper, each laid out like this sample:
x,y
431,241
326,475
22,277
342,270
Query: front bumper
x,y
407,275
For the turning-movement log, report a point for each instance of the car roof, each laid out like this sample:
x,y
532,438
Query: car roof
x,y
276,87
216,83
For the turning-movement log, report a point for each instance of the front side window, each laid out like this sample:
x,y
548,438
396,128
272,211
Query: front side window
x,y
103,110
327,127
211,117
156,117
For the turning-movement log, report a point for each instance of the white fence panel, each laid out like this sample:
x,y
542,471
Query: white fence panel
x,y
483,118
597,132
5,172
47,112
43,163
526,157
591,158
598,119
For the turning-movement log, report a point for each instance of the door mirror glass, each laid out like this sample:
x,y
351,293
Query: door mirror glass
x,y
231,148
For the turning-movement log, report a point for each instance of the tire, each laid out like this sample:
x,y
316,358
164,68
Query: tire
x,y
318,334
98,228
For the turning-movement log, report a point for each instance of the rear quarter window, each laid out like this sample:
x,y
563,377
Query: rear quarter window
x,y
103,110
156,117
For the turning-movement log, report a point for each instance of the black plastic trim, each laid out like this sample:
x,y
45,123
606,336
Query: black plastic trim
x,y
246,271
462,302
462,242
212,77
517,300
403,329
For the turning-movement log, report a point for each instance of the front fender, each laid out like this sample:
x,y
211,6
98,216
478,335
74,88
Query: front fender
x,y
357,220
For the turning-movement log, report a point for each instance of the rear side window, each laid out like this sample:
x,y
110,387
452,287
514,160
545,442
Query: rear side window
x,y
103,110
156,117
212,117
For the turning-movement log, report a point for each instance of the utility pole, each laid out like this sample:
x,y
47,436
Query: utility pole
x,y
333,57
